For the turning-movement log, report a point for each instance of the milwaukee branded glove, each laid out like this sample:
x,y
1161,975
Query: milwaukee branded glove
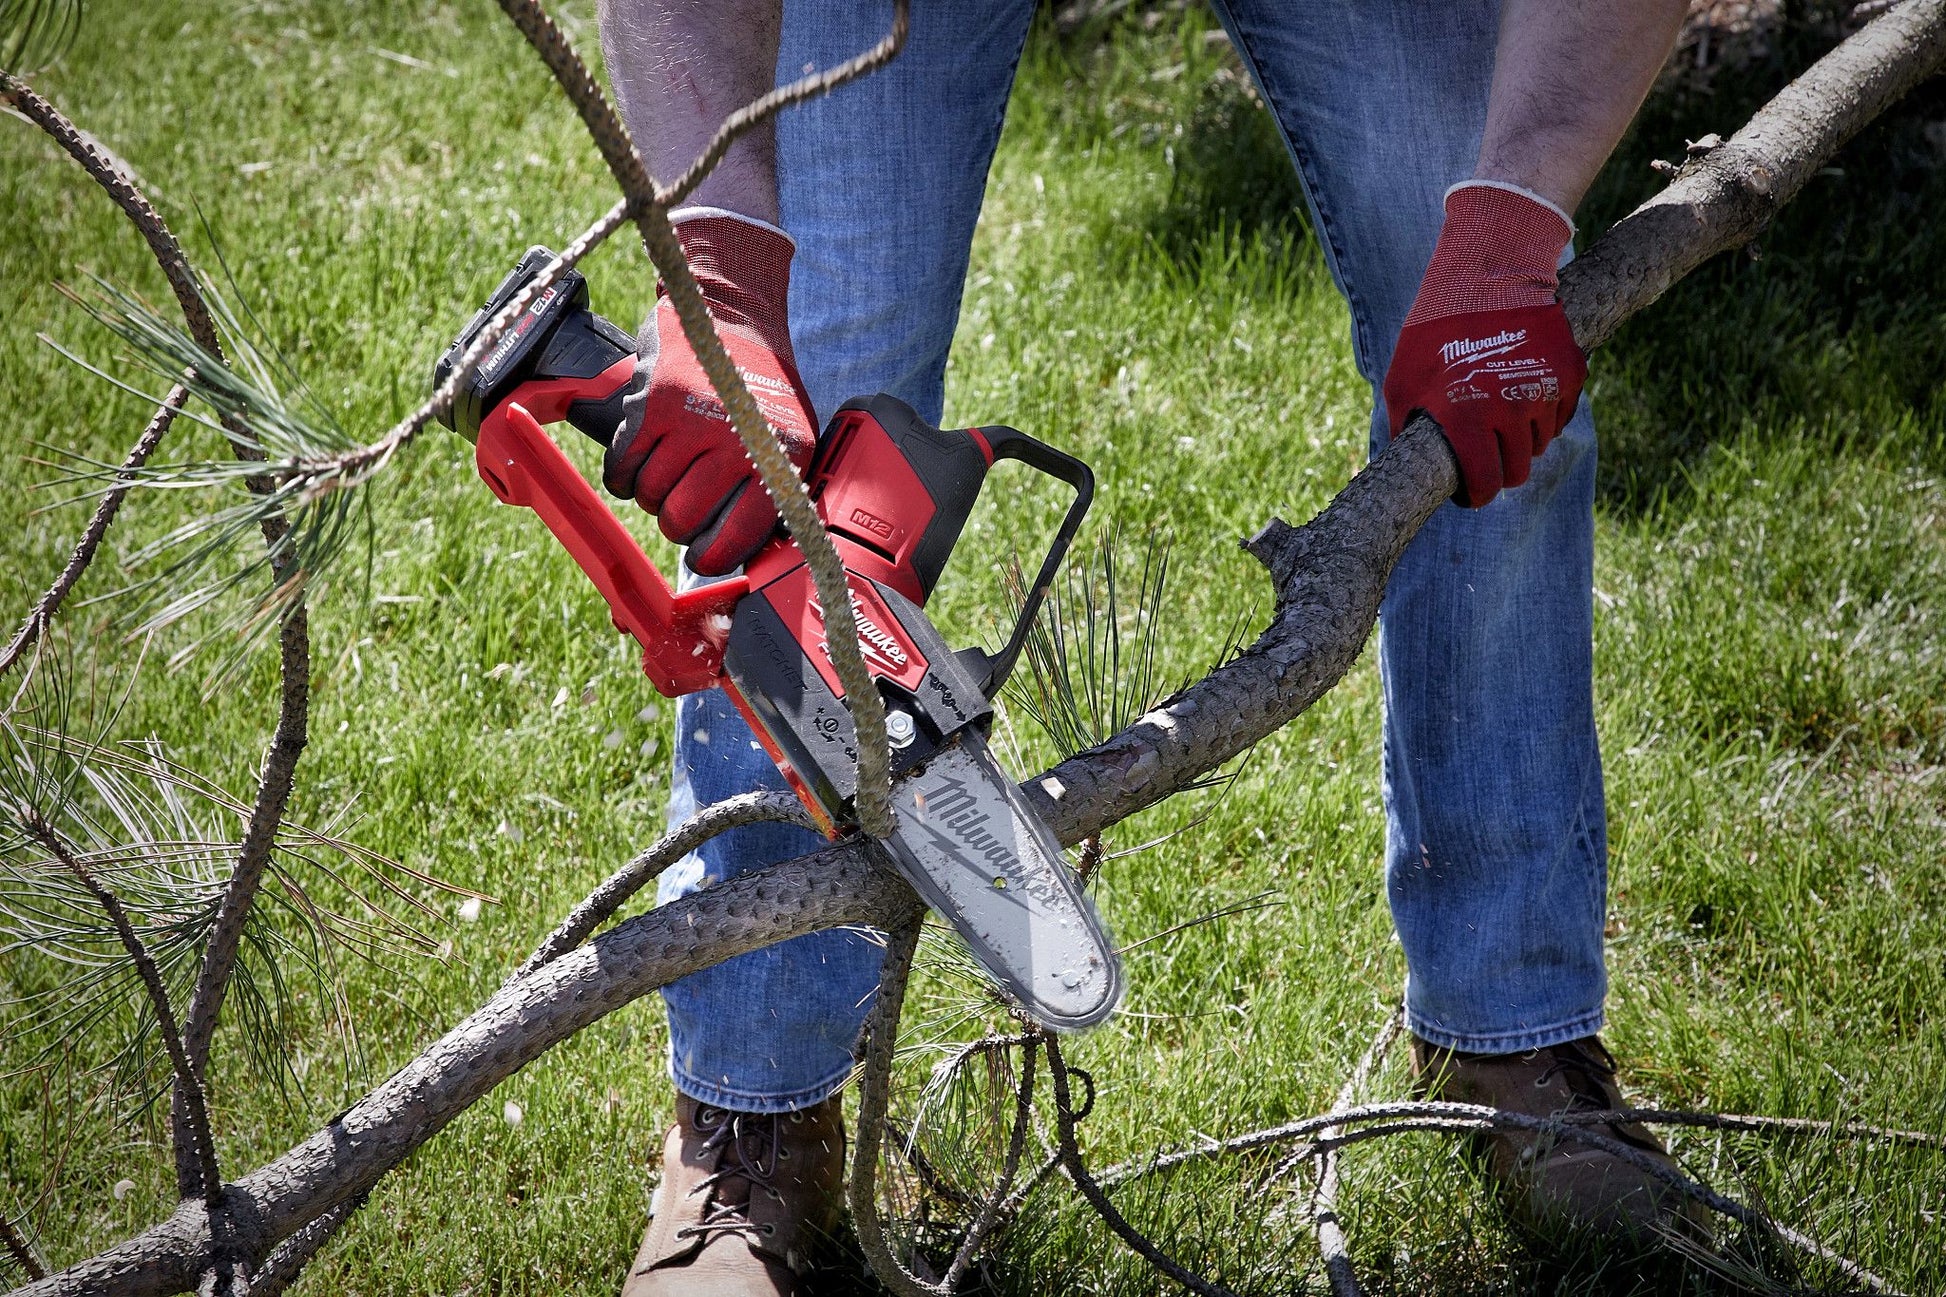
x,y
675,453
1486,349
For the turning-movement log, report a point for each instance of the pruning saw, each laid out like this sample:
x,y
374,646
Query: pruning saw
x,y
894,493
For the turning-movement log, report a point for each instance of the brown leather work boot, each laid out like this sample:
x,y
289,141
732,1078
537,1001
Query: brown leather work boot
x,y
1552,1183
745,1199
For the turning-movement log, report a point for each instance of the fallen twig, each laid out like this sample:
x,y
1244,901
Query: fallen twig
x,y
990,1211
1333,1247
1077,1170
874,1089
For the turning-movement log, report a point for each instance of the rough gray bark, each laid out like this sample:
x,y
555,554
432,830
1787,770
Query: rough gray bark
x,y
1329,577
522,1021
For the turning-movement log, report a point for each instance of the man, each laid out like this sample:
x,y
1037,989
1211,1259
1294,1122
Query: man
x,y
1496,857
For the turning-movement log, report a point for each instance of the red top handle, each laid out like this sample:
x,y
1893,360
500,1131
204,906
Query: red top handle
x,y
681,635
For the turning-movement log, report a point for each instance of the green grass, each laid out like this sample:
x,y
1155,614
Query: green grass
x,y
1770,605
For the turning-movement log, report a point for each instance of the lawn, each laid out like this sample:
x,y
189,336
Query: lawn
x,y
1770,635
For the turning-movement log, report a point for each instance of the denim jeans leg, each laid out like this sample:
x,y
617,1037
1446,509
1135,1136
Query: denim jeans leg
x,y
881,183
1496,851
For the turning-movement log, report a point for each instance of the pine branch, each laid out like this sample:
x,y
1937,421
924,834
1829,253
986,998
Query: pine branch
x,y
294,658
21,1249
1333,1247
33,33
194,1130
315,477
991,1211
874,1093
42,615
1072,1163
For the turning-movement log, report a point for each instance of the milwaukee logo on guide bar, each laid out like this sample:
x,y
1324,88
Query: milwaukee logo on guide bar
x,y
1465,348
956,806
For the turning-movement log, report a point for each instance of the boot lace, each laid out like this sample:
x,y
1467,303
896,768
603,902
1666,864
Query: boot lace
x,y
747,1148
1589,1070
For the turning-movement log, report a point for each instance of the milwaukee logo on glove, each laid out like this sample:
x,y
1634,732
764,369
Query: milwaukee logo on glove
x,y
1486,350
1472,348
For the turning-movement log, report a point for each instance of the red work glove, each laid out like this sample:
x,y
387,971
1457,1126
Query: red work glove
x,y
675,452
1486,349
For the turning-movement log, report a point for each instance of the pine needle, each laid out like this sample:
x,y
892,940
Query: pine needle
x,y
261,408
33,33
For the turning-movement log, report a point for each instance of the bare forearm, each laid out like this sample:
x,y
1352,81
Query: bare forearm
x,y
679,68
1568,77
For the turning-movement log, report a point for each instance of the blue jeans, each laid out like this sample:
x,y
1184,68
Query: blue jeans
x,y
1496,845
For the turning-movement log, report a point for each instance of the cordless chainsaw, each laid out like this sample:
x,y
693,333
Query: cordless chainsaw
x,y
894,493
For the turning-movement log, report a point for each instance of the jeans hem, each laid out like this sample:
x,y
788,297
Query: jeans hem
x,y
768,1102
1506,1042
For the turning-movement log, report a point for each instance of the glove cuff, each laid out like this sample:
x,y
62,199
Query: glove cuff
x,y
682,214
1504,186
1498,251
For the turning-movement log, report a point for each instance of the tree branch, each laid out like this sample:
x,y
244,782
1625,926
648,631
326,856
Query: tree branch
x,y
196,1130
1333,1247
874,1088
341,472
291,734
21,1249
1077,1170
38,620
1329,576
281,1269
990,1211
733,812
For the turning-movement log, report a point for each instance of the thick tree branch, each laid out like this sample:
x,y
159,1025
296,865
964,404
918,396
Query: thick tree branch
x,y
1329,575
38,620
520,1022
